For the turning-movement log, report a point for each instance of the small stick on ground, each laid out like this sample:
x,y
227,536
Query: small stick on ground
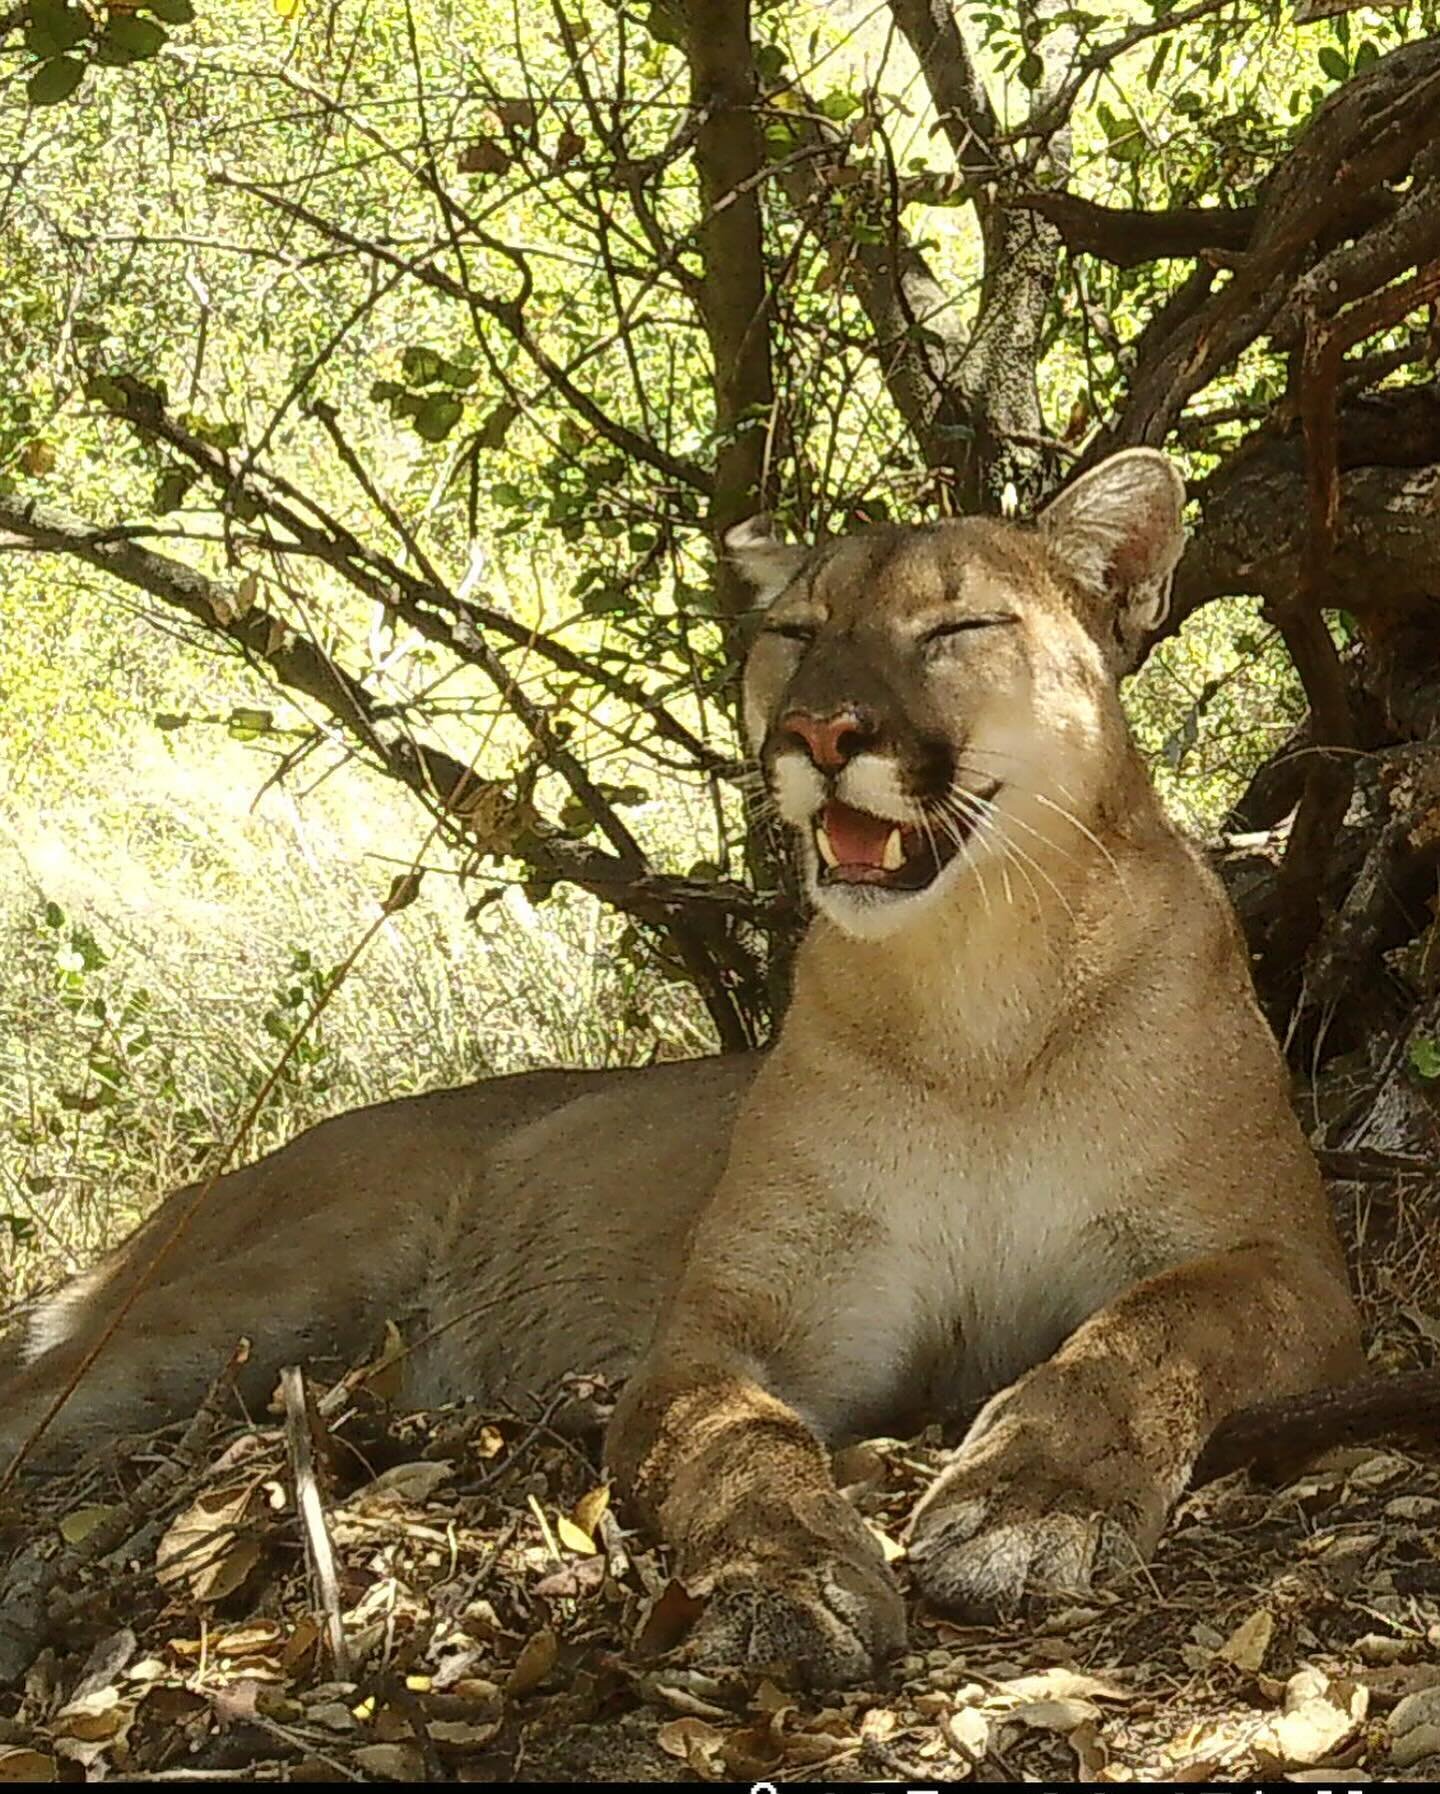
x,y
300,1422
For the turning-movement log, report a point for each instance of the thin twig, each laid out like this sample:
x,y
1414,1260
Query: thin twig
x,y
301,1422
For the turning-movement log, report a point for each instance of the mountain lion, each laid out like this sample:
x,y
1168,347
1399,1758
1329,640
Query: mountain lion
x,y
1024,1139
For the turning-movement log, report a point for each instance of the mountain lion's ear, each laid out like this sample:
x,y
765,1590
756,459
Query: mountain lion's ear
x,y
1117,532
761,558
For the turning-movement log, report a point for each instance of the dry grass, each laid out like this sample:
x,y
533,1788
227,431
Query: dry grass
x,y
196,923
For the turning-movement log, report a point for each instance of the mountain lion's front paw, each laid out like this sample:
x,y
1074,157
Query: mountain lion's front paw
x,y
826,1620
827,1624
1033,1508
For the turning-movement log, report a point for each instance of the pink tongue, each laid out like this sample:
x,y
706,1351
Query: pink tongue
x,y
857,838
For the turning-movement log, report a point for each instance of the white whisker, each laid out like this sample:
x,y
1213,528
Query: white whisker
x,y
1012,847
1066,815
951,828
1075,822
980,820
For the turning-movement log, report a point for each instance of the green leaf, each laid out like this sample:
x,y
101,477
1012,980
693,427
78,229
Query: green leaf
x,y
245,724
55,80
56,26
174,12
1031,71
1334,64
1367,55
665,22
1157,64
838,105
129,38
496,427
421,364
769,62
606,600
437,417
1425,1056
172,488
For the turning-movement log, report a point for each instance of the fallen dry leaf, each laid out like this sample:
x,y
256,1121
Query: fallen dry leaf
x,y
1053,1716
1320,1714
533,1664
967,1730
668,1618
588,1509
751,1752
573,1580
25,1766
696,1743
464,1734
1062,1684
395,1762
202,1549
1091,1754
415,1482
77,1525
573,1537
1247,1644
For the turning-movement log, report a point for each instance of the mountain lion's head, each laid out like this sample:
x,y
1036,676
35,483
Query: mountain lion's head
x,y
925,699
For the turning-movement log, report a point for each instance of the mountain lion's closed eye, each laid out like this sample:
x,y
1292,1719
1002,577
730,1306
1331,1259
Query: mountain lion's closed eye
x,y
1024,1140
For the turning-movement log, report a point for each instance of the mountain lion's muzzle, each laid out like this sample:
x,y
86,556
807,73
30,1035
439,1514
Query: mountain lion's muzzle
x,y
874,794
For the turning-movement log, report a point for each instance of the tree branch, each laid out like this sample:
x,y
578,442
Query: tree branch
x,y
733,297
509,315
996,377
699,910
1364,136
1386,555
1127,238
963,107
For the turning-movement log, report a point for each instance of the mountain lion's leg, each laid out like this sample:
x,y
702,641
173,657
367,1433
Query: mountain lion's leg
x,y
731,1476
1071,1471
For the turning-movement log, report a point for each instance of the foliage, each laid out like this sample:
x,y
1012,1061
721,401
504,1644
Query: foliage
x,y
379,385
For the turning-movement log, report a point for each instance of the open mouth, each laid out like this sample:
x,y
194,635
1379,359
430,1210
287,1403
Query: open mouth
x,y
858,848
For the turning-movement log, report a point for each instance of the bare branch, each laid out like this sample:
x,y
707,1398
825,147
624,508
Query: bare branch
x,y
1128,238
998,372
1053,112
1365,135
509,314
664,901
964,111
733,299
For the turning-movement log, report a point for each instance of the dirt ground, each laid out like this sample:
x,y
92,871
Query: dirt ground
x,y
487,1618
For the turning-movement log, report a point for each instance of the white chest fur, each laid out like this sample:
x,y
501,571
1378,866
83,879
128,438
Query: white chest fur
x,y
980,1247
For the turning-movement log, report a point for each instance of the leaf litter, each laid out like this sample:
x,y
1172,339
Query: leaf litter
x,y
504,1623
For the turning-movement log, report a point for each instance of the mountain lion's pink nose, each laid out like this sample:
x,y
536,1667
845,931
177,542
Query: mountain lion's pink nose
x,y
832,740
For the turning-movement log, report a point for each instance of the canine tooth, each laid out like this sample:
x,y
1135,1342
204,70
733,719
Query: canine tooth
x,y
823,847
894,857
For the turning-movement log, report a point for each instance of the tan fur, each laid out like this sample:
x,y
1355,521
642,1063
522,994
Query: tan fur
x,y
1026,1124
